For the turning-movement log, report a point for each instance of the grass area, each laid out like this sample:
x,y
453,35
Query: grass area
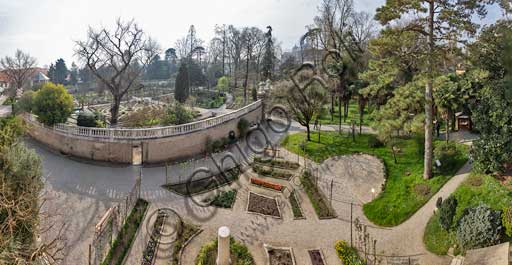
x,y
405,190
318,200
271,172
187,231
297,211
475,190
225,199
190,188
353,114
239,254
127,234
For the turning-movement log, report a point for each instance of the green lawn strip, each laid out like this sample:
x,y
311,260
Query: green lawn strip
x,y
353,114
239,254
278,163
126,235
225,199
205,184
477,189
318,200
187,231
399,199
297,211
271,172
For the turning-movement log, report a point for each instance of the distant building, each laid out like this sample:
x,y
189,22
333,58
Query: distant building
x,y
4,82
40,78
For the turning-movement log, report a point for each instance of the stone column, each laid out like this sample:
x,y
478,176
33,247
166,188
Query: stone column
x,y
223,251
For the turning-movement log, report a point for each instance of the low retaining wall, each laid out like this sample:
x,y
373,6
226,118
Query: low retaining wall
x,y
158,145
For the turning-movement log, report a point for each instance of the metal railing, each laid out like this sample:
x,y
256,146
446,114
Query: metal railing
x,y
146,133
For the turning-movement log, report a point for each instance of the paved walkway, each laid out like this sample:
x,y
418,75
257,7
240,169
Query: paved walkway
x,y
88,189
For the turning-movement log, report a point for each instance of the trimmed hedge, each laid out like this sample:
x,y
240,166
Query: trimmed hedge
x,y
270,172
239,254
320,204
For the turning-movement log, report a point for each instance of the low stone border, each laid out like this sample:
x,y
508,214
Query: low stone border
x,y
180,255
269,247
260,214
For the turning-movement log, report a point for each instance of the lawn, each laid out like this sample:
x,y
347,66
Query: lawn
x,y
475,190
405,190
353,114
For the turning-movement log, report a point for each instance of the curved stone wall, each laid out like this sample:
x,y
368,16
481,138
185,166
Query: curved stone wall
x,y
157,145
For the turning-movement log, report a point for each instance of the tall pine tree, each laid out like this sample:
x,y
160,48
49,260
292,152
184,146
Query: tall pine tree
x,y
441,21
268,58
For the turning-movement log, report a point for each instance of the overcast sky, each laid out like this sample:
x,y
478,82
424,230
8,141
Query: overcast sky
x,y
47,29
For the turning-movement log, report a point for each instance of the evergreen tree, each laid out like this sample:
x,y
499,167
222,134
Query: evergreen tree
x,y
61,71
441,21
51,73
73,74
268,57
181,92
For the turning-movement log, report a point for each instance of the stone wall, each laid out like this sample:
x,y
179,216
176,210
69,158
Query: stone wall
x,y
156,150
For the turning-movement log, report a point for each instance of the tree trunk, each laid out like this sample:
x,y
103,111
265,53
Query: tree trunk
x,y
332,107
308,132
339,110
114,110
427,171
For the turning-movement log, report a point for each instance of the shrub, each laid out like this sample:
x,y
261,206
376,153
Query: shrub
x,y
507,221
178,114
447,154
243,127
26,102
373,142
348,255
86,119
224,199
439,202
479,227
447,212
53,104
223,83
239,254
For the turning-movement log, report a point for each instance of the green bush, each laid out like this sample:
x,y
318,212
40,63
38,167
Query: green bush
x,y
224,199
53,104
243,127
348,255
177,114
26,102
447,154
507,221
373,142
479,227
239,254
447,212
86,119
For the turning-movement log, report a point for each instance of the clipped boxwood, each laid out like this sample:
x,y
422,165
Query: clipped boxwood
x,y
447,212
348,255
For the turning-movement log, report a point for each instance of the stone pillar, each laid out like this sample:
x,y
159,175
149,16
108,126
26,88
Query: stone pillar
x,y
223,251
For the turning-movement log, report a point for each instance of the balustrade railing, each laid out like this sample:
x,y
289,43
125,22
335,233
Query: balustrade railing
x,y
146,133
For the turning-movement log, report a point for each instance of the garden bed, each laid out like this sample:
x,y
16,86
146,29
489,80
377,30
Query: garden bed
x,y
316,257
278,163
279,256
296,209
271,172
322,208
205,184
126,235
267,185
150,252
239,254
185,234
225,199
263,205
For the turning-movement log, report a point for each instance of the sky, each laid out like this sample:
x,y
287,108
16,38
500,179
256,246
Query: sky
x,y
47,29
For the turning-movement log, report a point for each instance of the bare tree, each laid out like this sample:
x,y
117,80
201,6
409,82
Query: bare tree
x,y
235,47
18,69
251,37
117,58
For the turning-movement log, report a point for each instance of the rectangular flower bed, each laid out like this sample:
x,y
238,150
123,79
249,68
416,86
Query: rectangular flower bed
x,y
285,164
265,184
322,207
271,172
296,209
279,256
263,205
225,199
316,257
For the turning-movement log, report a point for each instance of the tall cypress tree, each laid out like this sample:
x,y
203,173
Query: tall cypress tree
x,y
61,71
181,92
268,58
